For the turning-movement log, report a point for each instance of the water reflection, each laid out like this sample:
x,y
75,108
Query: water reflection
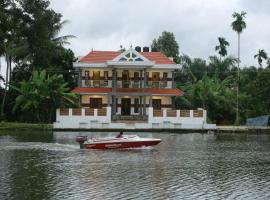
x,y
187,166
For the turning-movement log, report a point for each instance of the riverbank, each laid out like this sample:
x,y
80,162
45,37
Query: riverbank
x,y
16,126
10,126
216,130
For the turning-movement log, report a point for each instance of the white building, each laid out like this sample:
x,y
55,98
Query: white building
x,y
128,90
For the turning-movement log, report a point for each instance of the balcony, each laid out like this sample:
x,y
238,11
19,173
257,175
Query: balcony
x,y
157,84
95,83
124,84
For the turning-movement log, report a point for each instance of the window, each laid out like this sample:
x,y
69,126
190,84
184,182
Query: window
x,y
164,78
136,105
125,79
96,103
96,78
155,76
155,79
130,56
96,75
156,104
136,76
86,75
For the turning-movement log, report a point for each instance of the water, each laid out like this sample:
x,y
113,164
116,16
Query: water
x,y
183,166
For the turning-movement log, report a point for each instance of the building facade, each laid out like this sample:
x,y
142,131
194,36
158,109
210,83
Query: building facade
x,y
130,86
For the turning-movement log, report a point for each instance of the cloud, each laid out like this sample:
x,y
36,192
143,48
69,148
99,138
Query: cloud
x,y
107,24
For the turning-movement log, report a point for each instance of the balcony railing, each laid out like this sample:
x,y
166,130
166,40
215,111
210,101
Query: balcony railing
x,y
124,84
157,84
95,83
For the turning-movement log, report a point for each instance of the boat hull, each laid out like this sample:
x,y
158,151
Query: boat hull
x,y
121,145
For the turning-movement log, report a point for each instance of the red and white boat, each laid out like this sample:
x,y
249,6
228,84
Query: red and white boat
x,y
120,142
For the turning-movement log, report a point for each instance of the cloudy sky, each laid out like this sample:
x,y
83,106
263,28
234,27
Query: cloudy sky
x,y
107,24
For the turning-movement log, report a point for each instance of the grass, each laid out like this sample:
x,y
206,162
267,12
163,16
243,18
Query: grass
x,y
25,126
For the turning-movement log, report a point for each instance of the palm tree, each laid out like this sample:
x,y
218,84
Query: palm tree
x,y
221,68
260,56
222,47
238,25
42,94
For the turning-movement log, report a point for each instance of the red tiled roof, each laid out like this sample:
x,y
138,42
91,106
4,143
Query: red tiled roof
x,y
157,57
103,56
100,56
165,91
91,90
153,91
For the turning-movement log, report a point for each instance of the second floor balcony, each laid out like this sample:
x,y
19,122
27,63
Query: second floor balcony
x,y
126,84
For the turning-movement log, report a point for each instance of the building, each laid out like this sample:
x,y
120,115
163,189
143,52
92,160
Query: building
x,y
130,89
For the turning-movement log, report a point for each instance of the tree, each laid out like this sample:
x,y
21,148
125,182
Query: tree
x,y
42,94
222,47
260,56
238,25
167,44
211,94
221,68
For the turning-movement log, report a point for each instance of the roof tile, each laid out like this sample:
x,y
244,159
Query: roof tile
x,y
103,56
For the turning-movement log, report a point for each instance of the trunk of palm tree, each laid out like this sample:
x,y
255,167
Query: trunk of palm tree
x,y
10,71
238,75
6,85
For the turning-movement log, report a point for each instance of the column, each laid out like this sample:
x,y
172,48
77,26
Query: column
x,y
114,106
141,78
80,78
173,77
114,78
144,78
150,101
144,105
140,105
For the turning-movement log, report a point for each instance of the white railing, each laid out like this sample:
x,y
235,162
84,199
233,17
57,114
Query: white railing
x,y
101,118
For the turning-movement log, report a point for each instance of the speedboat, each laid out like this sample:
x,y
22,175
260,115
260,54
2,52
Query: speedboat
x,y
124,141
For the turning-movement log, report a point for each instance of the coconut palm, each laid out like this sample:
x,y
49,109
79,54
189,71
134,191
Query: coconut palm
x,y
222,47
260,56
238,25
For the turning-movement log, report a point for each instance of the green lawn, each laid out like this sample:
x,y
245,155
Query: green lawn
x,y
24,126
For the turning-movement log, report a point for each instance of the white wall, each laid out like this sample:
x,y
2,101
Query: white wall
x,y
104,122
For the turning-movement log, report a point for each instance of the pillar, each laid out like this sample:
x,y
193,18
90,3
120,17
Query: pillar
x,y
114,79
144,105
140,105
80,78
150,101
173,79
141,72
144,78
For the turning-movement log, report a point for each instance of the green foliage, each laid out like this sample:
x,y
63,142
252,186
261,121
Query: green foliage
x,y
166,43
239,24
260,56
42,94
222,47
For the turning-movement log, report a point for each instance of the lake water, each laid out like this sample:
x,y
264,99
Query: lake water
x,y
183,166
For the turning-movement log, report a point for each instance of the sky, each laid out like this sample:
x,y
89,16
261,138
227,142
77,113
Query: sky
x,y
196,24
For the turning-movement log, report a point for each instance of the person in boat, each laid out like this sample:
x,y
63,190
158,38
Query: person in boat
x,y
120,135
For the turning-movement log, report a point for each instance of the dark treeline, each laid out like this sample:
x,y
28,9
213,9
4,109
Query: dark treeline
x,y
40,73
212,84
39,70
